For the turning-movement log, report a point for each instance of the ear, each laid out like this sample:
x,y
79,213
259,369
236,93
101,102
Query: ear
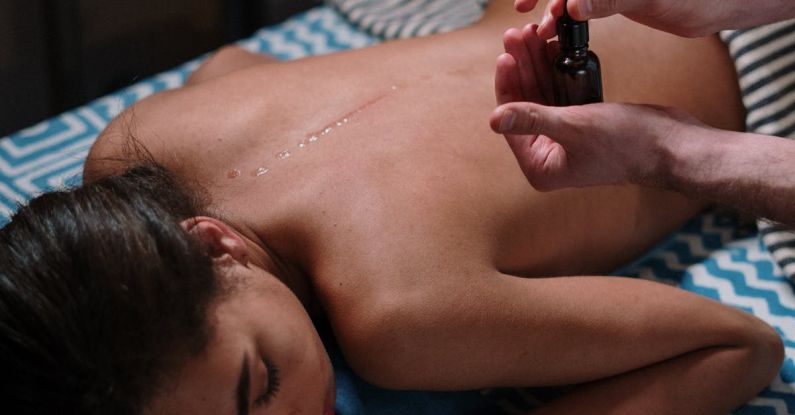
x,y
220,238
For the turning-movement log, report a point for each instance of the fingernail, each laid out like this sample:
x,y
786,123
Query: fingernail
x,y
545,20
585,7
530,29
508,119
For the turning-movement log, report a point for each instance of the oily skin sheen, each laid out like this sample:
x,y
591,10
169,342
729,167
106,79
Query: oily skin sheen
x,y
414,232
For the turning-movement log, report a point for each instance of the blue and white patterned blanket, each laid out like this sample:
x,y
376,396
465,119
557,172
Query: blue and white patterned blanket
x,y
711,255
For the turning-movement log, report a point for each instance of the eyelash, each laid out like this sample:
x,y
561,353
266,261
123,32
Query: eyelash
x,y
273,384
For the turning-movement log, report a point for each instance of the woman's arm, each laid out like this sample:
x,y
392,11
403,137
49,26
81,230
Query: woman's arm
x,y
633,346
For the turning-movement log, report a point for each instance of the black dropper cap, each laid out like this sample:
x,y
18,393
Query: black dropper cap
x,y
572,34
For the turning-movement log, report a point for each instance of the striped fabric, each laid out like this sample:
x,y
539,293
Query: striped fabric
x,y
765,61
394,19
711,255
780,241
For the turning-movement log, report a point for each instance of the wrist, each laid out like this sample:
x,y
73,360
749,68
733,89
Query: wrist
x,y
684,156
704,162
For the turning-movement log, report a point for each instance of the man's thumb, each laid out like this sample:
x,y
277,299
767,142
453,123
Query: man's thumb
x,y
529,118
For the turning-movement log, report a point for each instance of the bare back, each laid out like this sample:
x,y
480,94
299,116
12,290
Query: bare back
x,y
375,170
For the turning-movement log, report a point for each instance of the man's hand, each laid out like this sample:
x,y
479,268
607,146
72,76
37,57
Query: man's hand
x,y
597,144
602,144
689,18
576,146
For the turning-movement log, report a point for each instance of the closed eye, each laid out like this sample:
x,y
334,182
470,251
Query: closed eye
x,y
272,387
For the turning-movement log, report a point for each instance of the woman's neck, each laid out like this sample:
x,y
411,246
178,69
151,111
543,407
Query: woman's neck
x,y
264,257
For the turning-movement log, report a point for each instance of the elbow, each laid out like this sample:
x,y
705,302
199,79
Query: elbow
x,y
770,348
764,354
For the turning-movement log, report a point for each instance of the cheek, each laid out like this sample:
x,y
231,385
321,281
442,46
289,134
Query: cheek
x,y
300,343
286,324
306,377
307,387
286,332
288,337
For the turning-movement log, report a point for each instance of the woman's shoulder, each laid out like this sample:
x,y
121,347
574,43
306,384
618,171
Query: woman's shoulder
x,y
171,128
122,145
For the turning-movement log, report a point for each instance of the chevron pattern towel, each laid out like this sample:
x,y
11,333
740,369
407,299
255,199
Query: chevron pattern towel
x,y
765,61
710,256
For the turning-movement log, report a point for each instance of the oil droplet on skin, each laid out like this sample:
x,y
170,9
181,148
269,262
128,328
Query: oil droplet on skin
x,y
260,172
328,129
313,137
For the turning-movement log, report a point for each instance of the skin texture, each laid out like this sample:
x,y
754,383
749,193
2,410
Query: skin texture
x,y
411,228
649,145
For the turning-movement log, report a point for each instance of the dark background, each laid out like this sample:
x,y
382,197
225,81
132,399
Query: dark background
x,y
58,54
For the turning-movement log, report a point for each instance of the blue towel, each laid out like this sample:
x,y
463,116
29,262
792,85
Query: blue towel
x,y
711,255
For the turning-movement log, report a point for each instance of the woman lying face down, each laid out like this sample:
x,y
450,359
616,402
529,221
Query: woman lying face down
x,y
168,285
157,302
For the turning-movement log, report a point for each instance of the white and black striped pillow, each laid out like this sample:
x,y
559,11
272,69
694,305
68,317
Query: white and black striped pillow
x,y
765,61
393,19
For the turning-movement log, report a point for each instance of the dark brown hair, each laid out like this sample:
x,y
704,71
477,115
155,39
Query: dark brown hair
x,y
102,293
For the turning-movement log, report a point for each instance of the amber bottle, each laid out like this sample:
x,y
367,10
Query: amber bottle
x,y
576,72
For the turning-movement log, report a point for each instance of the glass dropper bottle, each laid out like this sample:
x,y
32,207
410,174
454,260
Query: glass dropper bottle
x,y
576,71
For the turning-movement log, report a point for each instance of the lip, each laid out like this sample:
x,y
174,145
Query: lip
x,y
332,394
329,406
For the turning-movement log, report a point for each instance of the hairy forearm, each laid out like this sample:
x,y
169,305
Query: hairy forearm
x,y
690,18
750,172
744,13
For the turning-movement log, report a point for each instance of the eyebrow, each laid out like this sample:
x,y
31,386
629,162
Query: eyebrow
x,y
243,386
